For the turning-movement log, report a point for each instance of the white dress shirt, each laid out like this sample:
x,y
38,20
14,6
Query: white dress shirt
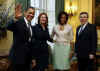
x,y
27,24
82,28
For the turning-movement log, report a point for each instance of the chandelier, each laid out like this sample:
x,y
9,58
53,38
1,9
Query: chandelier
x,y
71,7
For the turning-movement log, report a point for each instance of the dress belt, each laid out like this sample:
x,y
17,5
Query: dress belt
x,y
62,41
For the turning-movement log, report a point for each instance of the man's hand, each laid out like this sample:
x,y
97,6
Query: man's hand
x,y
18,11
91,56
33,63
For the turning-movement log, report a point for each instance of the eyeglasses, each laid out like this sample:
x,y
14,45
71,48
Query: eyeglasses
x,y
83,17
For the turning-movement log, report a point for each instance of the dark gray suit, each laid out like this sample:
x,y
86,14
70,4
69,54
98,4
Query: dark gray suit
x,y
86,43
20,51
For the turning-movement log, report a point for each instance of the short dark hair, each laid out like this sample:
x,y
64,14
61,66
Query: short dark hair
x,y
29,8
62,13
84,13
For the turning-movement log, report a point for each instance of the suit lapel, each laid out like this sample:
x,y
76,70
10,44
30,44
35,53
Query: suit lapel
x,y
78,31
26,29
77,35
84,30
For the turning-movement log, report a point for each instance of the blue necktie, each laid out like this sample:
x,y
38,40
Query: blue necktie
x,y
80,30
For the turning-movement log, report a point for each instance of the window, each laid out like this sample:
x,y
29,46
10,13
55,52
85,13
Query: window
x,y
47,6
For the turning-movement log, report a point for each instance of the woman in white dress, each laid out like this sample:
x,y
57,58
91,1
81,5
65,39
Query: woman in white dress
x,y
63,36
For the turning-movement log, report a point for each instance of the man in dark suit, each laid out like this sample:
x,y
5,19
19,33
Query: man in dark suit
x,y
20,56
86,43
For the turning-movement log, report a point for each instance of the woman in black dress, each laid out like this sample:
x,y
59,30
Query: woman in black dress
x,y
40,50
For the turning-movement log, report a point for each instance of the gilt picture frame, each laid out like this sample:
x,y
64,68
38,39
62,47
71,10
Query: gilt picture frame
x,y
97,21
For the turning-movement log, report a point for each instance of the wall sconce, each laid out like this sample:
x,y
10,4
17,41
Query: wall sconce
x,y
71,7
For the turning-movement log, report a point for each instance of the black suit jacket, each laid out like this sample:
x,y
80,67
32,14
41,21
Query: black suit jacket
x,y
86,41
20,48
39,41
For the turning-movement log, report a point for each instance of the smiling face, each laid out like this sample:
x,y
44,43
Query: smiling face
x,y
29,14
43,19
63,19
83,18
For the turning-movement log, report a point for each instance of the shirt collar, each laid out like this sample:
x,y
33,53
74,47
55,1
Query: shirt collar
x,y
26,21
84,25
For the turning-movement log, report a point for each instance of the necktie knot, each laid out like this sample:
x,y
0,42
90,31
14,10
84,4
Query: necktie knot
x,y
81,29
29,23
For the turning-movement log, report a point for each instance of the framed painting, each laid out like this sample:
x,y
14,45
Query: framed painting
x,y
6,12
98,37
2,21
97,21
97,12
